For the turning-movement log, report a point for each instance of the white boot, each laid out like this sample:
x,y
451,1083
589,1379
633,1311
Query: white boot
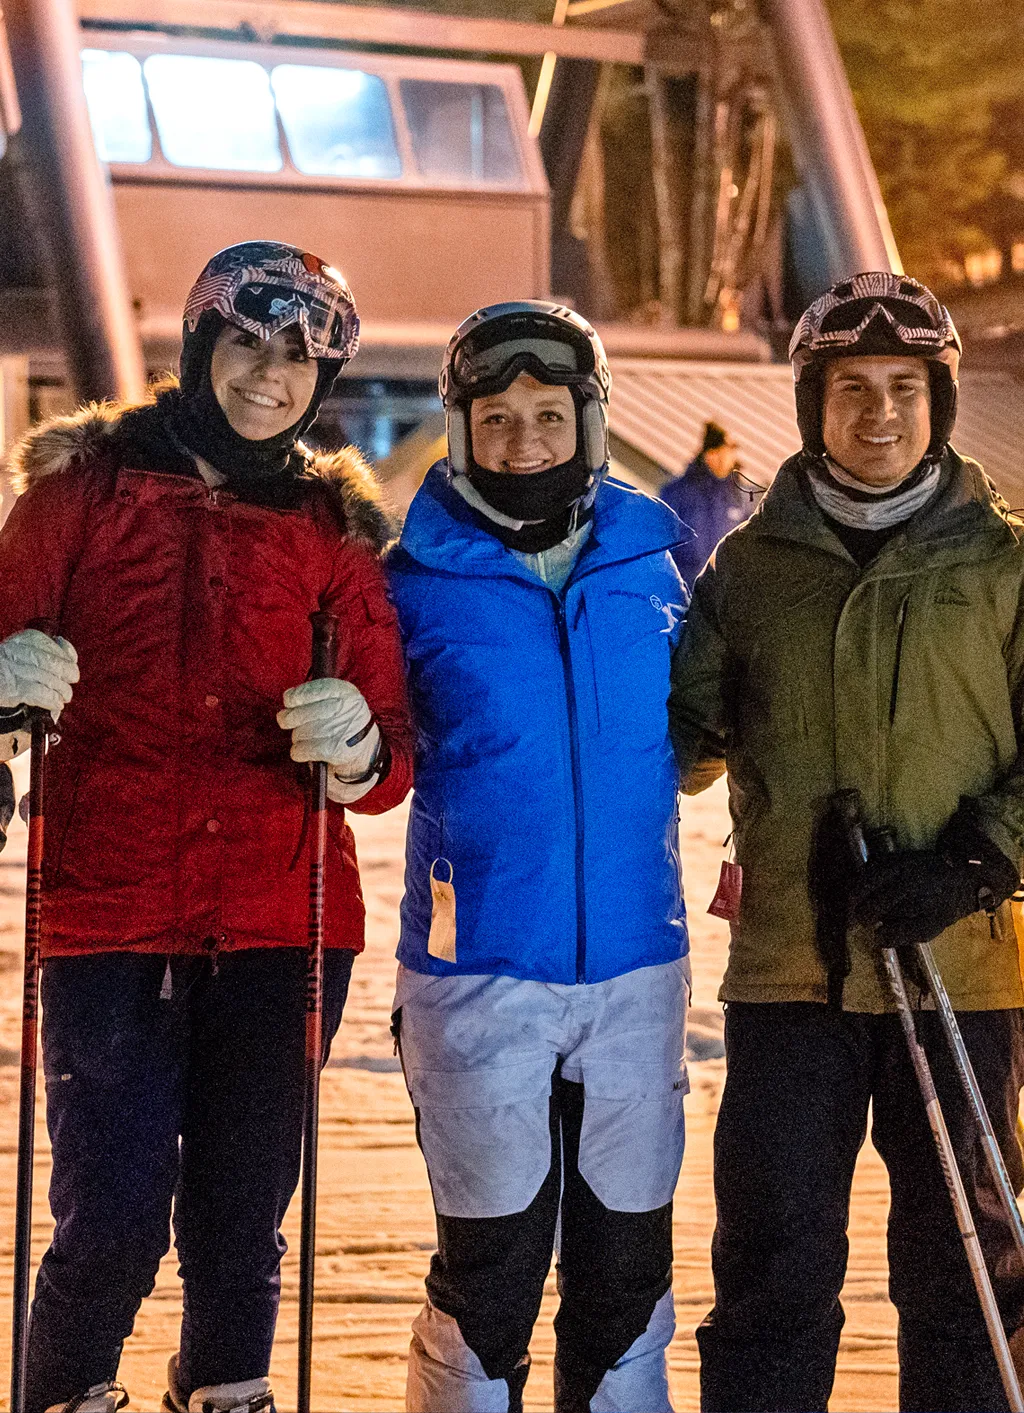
x,y
444,1375
101,1398
252,1396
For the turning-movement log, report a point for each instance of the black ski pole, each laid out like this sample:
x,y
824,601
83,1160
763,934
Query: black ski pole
x,y
324,652
848,803
42,733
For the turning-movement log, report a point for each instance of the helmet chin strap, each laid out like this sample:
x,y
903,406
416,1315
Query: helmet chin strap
x,y
472,496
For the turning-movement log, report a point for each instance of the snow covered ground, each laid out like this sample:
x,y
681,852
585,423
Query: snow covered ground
x,y
375,1223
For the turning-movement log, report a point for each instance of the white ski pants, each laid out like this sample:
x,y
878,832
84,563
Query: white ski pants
x,y
546,1113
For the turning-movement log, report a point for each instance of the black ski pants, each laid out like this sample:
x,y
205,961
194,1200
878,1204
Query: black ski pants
x,y
185,1089
793,1117
613,1268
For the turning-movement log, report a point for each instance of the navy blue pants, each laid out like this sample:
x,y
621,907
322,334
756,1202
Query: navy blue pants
x,y
191,1099
793,1116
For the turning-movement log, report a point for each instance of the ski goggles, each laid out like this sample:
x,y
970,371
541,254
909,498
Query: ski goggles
x,y
840,318
263,303
547,351
913,323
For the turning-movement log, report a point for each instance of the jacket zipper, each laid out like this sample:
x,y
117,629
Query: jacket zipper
x,y
577,790
901,623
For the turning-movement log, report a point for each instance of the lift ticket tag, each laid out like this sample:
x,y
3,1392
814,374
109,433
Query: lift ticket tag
x,y
441,941
726,902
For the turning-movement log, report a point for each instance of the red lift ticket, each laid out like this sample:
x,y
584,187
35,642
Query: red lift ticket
x,y
726,902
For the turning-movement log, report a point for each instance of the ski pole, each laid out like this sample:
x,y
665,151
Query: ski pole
x,y
969,1082
954,1182
968,1079
324,636
42,733
849,805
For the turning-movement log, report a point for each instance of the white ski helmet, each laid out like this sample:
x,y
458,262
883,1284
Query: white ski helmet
x,y
553,344
875,313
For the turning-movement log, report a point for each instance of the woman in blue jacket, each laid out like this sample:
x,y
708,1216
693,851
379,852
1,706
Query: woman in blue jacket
x,y
543,983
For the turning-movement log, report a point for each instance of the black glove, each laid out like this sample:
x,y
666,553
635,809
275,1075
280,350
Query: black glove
x,y
912,896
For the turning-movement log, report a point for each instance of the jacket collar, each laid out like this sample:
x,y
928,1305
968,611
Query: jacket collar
x,y
966,519
442,532
123,436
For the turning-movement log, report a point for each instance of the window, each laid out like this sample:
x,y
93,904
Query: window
x,y
337,121
214,113
461,131
117,106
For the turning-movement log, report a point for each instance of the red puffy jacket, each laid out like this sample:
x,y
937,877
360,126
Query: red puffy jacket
x,y
175,820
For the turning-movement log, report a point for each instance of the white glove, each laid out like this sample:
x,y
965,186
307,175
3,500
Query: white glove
x,y
37,671
330,721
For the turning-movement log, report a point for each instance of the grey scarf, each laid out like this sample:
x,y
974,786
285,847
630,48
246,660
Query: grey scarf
x,y
845,499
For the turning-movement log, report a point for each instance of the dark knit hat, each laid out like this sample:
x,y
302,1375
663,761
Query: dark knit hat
x,y
715,436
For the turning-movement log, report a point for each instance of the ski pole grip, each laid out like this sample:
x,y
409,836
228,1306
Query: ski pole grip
x,y
325,638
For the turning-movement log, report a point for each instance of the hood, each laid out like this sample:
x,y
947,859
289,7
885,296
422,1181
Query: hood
x,y
95,434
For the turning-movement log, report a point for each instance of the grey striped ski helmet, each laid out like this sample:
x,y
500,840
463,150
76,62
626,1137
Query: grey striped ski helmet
x,y
875,313
264,286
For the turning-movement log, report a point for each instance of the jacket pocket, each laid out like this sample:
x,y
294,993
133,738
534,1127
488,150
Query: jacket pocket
x,y
119,832
62,818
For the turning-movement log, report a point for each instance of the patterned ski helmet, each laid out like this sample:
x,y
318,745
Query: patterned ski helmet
x,y
875,313
553,344
264,286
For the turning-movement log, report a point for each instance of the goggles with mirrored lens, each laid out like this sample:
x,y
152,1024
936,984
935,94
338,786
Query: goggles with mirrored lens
x,y
265,301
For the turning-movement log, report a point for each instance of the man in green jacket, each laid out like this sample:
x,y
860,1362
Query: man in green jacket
x,y
864,629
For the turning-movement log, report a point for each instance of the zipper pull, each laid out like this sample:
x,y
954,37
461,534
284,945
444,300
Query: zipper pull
x,y
167,985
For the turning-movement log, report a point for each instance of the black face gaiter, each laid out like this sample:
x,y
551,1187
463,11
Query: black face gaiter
x,y
546,498
537,496
197,419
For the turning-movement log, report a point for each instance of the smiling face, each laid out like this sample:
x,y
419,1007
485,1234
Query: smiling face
x,y
877,417
262,387
529,427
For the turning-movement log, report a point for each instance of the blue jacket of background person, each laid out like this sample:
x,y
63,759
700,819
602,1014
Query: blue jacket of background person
x,y
711,506
544,776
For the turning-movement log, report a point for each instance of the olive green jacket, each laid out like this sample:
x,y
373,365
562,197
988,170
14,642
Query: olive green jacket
x,y
802,673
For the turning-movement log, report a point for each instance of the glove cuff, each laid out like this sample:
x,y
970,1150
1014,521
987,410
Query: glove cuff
x,y
964,844
380,762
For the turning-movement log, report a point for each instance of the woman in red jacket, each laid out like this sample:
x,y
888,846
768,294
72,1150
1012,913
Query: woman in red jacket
x,y
179,548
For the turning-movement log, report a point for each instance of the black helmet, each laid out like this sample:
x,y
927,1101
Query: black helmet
x,y
554,344
876,313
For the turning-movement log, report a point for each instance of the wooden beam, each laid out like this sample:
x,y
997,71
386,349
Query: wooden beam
x,y
358,24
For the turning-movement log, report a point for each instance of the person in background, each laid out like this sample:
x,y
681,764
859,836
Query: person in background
x,y
708,498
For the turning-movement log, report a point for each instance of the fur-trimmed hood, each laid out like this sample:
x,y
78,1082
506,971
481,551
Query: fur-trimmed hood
x,y
91,434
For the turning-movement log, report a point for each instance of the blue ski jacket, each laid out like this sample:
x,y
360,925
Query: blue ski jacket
x,y
711,507
545,783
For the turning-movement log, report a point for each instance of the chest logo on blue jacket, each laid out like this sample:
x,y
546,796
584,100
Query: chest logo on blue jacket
x,y
673,612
